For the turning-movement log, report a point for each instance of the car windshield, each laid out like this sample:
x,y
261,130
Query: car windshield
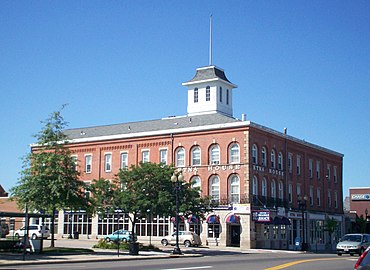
x,y
352,238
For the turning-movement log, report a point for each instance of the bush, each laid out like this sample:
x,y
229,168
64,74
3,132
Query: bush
x,y
110,245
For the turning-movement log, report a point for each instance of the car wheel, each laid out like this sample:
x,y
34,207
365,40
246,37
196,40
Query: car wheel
x,y
107,239
34,237
339,254
124,240
187,243
16,235
351,254
164,242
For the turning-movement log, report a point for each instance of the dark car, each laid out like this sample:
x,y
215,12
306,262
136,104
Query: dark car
x,y
363,263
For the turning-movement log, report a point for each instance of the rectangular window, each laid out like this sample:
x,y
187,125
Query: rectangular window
x,y
124,160
298,165
75,162
290,192
196,95
311,195
298,190
335,199
335,174
163,156
328,172
227,96
145,156
208,93
220,94
318,197
310,168
290,162
329,198
88,163
318,170
108,162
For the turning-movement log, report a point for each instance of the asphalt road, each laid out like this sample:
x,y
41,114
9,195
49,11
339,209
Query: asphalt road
x,y
213,258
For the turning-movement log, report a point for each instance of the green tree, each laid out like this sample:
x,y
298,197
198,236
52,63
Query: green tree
x,y
330,226
360,224
49,179
146,187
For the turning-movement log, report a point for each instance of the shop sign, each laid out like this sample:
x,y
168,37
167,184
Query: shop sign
x,y
242,208
270,170
360,197
261,216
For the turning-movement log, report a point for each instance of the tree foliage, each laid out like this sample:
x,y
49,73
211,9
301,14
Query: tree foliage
x,y
49,179
147,188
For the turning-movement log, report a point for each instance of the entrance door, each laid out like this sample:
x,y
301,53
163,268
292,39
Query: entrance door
x,y
234,235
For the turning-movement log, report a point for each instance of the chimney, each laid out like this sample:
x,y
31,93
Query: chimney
x,y
244,117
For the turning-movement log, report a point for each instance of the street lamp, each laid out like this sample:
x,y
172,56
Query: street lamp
x,y
302,206
177,179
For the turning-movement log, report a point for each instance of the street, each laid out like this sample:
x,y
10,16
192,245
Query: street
x,y
215,259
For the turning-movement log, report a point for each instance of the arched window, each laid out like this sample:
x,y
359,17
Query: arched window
x,y
214,155
254,154
196,95
280,161
208,93
220,94
264,156
180,157
234,153
281,190
214,188
195,182
273,188
234,189
273,159
255,186
195,156
264,187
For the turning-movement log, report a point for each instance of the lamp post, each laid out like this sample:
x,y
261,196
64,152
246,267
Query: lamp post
x,y
302,205
177,179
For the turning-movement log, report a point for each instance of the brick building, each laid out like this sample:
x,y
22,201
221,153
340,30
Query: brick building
x,y
255,173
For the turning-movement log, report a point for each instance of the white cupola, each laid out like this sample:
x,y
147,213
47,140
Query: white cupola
x,y
210,92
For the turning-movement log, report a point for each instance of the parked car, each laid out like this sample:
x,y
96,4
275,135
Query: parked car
x,y
185,238
354,243
123,235
34,231
363,263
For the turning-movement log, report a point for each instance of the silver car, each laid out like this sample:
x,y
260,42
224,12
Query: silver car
x,y
186,238
354,243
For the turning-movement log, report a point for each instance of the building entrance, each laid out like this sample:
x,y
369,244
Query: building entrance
x,y
234,235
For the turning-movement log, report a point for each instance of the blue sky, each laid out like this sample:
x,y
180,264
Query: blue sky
x,y
303,65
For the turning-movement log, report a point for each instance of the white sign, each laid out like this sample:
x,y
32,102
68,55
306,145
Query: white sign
x,y
244,208
360,197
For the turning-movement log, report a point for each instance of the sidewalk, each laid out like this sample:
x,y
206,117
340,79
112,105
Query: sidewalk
x,y
8,259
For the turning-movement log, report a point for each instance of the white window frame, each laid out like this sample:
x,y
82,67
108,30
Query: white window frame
x,y
88,165
310,168
273,159
107,162
290,162
234,189
318,169
196,182
290,192
273,189
196,95
234,153
214,155
255,186
318,194
298,165
163,156
335,174
145,155
281,190
311,195
196,156
280,161
254,154
208,93
264,156
180,157
214,188
124,160
264,187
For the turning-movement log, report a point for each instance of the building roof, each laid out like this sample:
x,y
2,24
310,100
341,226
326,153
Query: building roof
x,y
173,125
209,73
164,125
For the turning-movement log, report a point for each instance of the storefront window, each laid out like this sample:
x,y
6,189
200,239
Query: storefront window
x,y
213,230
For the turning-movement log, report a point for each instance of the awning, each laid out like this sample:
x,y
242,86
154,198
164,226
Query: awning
x,y
281,221
233,219
213,219
193,219
181,219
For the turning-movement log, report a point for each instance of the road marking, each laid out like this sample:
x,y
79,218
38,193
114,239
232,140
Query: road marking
x,y
191,268
286,265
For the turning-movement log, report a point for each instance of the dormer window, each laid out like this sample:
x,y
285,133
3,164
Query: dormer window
x,y
208,93
220,94
196,95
